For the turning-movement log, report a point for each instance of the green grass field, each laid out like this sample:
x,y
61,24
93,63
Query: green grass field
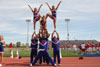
x,y
26,53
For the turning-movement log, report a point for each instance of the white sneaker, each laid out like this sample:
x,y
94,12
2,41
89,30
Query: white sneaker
x,y
55,65
59,64
31,65
0,65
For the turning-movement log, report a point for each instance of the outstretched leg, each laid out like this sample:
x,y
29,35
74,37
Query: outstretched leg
x,y
53,18
49,58
35,20
37,57
38,18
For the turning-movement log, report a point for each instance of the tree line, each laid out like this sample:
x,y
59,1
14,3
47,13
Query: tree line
x,y
17,45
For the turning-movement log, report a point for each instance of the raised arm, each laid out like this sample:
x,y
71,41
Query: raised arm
x,y
52,35
48,35
57,35
40,7
31,8
33,35
58,5
48,5
37,36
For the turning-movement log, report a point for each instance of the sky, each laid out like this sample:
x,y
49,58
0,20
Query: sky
x,y
84,18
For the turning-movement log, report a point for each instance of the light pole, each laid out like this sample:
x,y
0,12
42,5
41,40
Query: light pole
x,y
67,20
27,20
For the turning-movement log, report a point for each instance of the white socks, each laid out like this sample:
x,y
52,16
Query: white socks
x,y
0,65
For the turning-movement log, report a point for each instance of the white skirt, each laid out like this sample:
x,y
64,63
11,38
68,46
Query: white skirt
x,y
94,48
89,49
74,49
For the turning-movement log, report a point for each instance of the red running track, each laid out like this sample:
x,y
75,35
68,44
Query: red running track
x,y
66,62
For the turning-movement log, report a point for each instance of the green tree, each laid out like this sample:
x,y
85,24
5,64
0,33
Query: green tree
x,y
14,45
18,44
27,45
7,45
